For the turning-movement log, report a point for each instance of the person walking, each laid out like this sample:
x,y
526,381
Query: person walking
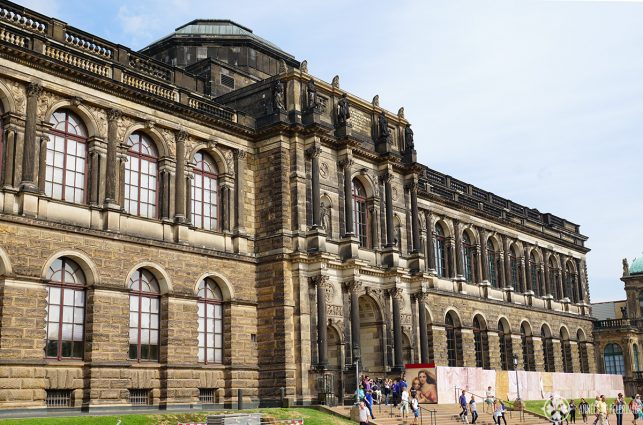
x,y
618,408
404,404
488,401
463,404
572,412
363,414
583,408
369,402
636,408
497,412
474,409
415,408
601,411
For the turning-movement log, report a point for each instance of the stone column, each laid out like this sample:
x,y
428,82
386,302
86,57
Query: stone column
x,y
388,194
354,288
458,250
415,219
483,260
346,164
452,260
43,139
396,296
526,271
240,190
507,260
429,239
424,340
313,153
321,282
9,156
111,176
179,213
28,183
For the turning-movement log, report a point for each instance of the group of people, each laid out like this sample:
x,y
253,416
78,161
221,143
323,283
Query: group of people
x,y
396,393
491,404
565,413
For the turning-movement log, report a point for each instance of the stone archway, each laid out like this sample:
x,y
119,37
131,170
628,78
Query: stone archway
x,y
334,349
370,334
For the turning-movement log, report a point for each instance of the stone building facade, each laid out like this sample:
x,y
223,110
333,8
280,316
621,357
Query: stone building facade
x,y
618,334
164,247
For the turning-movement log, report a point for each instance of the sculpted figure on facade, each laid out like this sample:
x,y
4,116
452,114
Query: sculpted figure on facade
x,y
311,95
324,216
278,96
343,111
626,267
384,132
408,137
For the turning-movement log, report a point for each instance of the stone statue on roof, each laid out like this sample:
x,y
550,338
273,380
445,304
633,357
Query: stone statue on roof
x,y
311,94
626,267
383,123
408,137
343,110
278,95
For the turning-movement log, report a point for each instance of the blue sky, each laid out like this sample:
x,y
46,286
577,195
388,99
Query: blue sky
x,y
539,101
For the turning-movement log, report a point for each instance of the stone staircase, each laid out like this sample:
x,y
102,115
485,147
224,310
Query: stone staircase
x,y
444,414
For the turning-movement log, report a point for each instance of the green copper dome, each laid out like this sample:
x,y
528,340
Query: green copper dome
x,y
637,266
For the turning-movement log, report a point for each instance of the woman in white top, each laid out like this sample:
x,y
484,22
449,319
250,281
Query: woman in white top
x,y
404,405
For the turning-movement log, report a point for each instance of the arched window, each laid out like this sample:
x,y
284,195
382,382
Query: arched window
x,y
454,341
548,349
144,313
65,310
141,176
66,162
635,354
469,256
582,352
566,352
439,243
361,212
492,262
210,322
205,193
2,147
481,343
570,280
534,271
514,265
506,350
553,278
527,342
641,304
613,358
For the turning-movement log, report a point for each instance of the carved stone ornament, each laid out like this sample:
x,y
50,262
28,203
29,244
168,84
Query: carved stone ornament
x,y
626,267
282,66
241,154
170,140
229,160
400,112
335,82
353,286
323,170
101,120
123,125
386,177
396,293
345,163
396,194
181,136
113,114
34,89
45,101
312,152
18,93
376,100
150,124
405,319
335,310
304,66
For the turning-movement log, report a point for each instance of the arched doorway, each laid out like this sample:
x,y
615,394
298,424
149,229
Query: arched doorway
x,y
334,349
407,350
370,334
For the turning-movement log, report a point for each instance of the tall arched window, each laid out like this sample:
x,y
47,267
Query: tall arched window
x,y
527,342
361,212
481,343
570,280
582,352
454,340
210,322
566,351
635,354
613,358
205,193
553,278
469,256
534,271
548,349
2,146
65,310
641,304
492,263
506,350
66,162
141,176
514,265
439,243
144,313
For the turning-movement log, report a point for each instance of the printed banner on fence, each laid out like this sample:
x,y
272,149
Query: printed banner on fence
x,y
422,380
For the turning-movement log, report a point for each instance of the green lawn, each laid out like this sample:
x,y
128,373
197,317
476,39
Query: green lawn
x,y
310,416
